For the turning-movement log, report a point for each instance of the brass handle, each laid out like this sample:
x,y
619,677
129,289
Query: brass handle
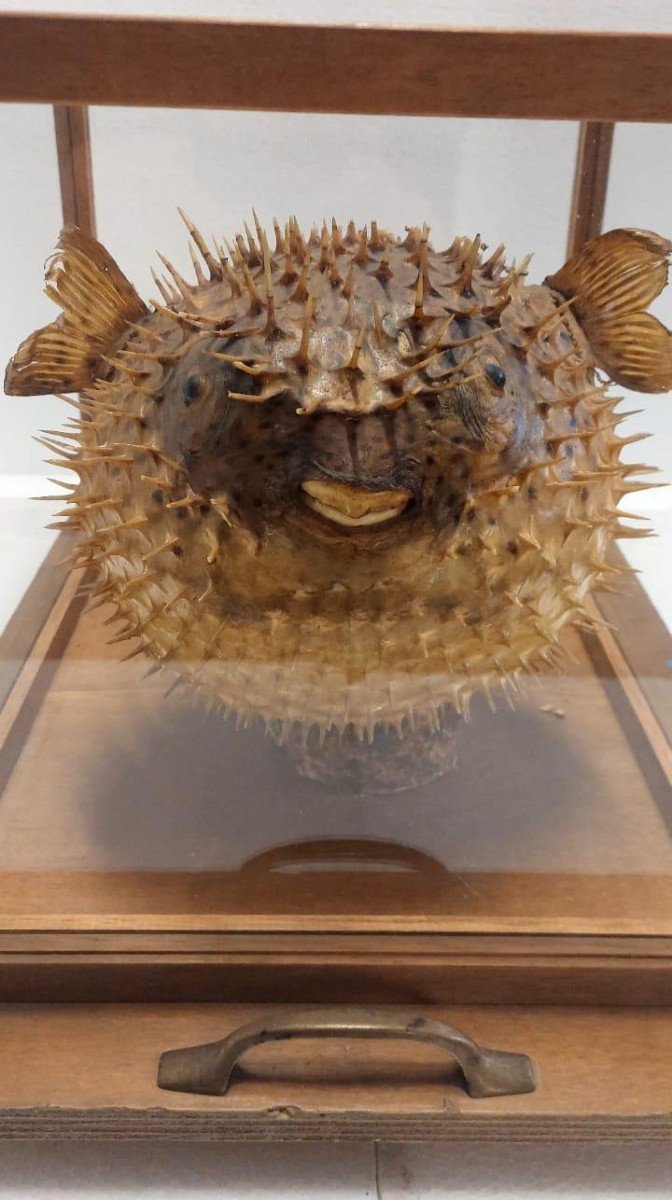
x,y
206,1070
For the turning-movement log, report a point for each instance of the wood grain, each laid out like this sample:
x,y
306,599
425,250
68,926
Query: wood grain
x,y
336,969
75,169
218,64
181,902
591,176
85,1071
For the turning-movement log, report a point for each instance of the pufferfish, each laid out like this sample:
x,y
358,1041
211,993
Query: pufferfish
x,y
345,482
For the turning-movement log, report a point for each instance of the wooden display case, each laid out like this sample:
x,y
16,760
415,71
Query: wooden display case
x,y
146,905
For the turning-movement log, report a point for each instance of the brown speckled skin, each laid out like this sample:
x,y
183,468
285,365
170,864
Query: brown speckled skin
x,y
189,500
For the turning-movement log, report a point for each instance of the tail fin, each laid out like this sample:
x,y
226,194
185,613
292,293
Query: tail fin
x,y
613,279
97,302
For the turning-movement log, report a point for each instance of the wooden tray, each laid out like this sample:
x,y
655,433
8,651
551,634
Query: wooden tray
x,y
146,850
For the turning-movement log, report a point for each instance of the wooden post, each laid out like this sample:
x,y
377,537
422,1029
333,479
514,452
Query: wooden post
x,y
73,148
591,175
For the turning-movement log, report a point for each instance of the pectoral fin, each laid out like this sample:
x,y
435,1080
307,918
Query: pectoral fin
x,y
97,302
613,279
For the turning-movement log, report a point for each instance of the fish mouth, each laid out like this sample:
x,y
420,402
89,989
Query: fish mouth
x,y
353,507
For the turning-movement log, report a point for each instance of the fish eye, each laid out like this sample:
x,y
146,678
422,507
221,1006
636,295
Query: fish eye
x,y
196,388
495,374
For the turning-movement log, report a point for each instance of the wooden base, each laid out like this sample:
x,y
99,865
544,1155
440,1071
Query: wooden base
x,y
90,1072
543,874
148,852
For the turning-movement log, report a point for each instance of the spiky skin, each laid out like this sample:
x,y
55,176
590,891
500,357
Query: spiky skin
x,y
376,362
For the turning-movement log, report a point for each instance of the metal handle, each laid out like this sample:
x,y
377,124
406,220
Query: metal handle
x,y
206,1070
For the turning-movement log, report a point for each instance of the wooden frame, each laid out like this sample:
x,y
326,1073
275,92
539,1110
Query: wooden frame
x,y
346,69
71,62
73,148
591,176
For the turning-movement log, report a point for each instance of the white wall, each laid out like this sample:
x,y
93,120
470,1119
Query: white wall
x,y
510,181
459,175
655,16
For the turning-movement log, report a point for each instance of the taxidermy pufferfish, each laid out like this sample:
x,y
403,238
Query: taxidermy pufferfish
x,y
344,483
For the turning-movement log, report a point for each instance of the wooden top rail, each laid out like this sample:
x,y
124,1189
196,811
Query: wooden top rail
x,y
187,63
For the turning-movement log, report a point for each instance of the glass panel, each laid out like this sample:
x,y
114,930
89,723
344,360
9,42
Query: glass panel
x,y
30,215
639,194
353,572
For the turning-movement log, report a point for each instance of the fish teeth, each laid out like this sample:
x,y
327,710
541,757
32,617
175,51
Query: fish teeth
x,y
353,506
341,518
